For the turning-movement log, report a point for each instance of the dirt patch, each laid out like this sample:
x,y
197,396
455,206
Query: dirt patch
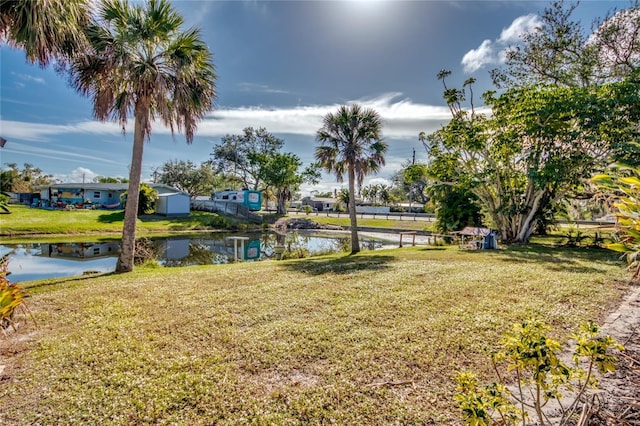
x,y
11,346
619,403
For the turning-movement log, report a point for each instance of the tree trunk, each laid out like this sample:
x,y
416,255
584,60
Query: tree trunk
x,y
282,195
527,224
355,243
127,249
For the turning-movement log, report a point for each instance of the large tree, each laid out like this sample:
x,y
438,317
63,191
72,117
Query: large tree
x,y
243,155
561,51
540,143
142,63
564,53
351,143
15,179
47,30
281,174
188,177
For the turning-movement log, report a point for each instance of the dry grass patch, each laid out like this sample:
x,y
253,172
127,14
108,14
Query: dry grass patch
x,y
369,339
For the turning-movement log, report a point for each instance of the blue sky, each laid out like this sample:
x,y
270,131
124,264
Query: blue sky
x,y
282,65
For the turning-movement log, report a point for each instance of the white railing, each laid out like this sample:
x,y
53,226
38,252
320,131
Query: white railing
x,y
227,207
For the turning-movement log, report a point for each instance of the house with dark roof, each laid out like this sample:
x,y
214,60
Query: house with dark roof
x,y
79,193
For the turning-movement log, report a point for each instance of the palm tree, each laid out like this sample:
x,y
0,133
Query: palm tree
x,y
47,30
142,63
351,143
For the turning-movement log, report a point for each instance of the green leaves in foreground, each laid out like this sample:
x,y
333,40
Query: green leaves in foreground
x,y
532,374
11,297
623,183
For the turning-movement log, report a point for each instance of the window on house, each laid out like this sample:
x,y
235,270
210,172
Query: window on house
x,y
96,251
96,194
110,195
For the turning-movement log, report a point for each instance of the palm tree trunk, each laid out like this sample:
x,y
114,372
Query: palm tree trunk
x,y
127,249
355,243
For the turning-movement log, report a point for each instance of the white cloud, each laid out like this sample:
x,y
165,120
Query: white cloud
x,y
30,78
40,132
475,59
57,153
521,25
494,53
81,174
260,88
379,181
401,116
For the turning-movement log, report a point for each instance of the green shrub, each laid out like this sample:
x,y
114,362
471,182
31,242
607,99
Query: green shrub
x,y
219,222
530,360
146,199
11,297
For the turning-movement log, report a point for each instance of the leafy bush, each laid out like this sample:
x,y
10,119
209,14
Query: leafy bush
x,y
624,183
11,297
146,199
531,361
574,240
219,222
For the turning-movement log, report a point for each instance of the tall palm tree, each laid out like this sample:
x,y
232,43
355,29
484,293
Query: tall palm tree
x,y
47,30
142,63
351,143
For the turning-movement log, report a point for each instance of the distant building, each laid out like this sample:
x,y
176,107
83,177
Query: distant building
x,y
99,194
320,204
173,204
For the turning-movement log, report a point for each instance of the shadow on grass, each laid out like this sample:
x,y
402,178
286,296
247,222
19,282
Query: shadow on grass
x,y
111,217
433,248
341,265
53,283
557,258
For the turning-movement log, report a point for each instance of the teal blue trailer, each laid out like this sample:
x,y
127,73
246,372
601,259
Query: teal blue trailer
x,y
251,199
248,198
252,250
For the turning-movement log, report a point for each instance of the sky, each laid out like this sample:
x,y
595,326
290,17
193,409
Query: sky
x,y
282,65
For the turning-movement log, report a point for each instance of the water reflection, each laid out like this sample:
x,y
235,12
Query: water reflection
x,y
36,261
80,250
50,260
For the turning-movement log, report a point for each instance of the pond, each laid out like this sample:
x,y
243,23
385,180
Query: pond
x,y
37,261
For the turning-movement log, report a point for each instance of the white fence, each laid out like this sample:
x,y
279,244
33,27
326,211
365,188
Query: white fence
x,y
225,207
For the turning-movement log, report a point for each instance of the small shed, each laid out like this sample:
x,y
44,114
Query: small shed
x,y
473,237
173,204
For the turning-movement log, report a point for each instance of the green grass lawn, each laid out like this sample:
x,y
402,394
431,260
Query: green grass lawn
x,y
374,338
24,221
373,223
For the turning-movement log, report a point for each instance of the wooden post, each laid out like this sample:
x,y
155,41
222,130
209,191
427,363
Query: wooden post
x,y
413,233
